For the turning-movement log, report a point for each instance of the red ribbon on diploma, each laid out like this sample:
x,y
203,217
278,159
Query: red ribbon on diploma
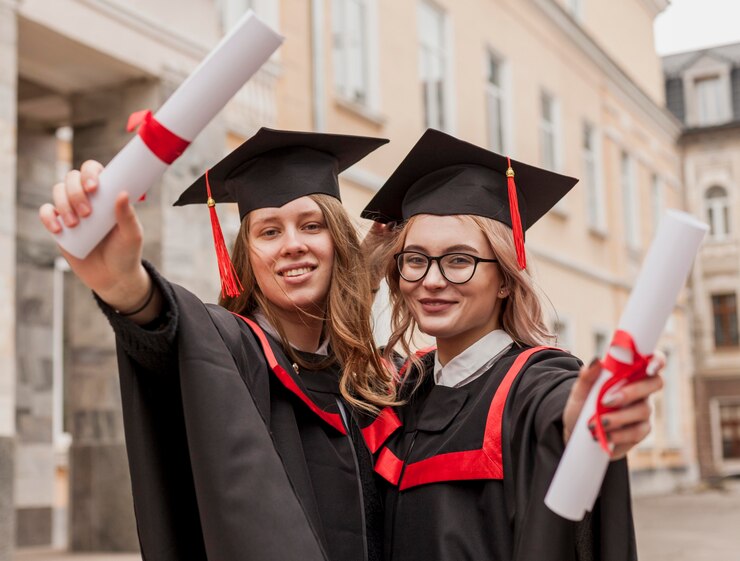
x,y
163,143
622,374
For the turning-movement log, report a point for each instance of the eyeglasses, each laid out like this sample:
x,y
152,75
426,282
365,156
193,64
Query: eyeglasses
x,y
457,268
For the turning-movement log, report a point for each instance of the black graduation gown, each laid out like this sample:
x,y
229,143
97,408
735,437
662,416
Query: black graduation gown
x,y
230,460
468,472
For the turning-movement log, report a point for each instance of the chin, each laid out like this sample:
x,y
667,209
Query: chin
x,y
308,301
435,328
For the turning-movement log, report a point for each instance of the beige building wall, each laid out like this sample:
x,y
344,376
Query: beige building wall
x,y
624,30
597,73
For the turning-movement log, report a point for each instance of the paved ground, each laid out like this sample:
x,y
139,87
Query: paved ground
x,y
693,526
44,555
699,525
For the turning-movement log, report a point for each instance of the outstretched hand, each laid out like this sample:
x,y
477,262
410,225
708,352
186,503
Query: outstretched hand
x,y
113,269
630,423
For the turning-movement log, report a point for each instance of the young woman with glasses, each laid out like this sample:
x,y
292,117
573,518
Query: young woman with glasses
x,y
487,414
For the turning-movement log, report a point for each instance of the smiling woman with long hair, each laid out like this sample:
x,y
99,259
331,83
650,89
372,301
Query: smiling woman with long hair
x,y
243,420
488,412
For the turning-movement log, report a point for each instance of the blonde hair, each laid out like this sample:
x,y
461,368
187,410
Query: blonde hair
x,y
365,383
521,311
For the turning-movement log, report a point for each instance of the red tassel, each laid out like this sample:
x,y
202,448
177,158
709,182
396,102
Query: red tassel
x,y
230,284
516,220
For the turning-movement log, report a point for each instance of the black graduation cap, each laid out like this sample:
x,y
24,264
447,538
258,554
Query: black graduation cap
x,y
271,169
443,175
275,167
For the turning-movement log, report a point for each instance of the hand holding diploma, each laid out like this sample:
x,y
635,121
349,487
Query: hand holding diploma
x,y
163,137
113,269
578,478
628,422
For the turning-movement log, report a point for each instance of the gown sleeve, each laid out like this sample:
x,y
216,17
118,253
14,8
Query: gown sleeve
x,y
534,422
206,477
152,345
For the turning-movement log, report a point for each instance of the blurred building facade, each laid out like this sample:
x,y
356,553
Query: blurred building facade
x,y
703,91
552,82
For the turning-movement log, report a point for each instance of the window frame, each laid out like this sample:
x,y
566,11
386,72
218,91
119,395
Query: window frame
x,y
567,342
717,211
630,200
657,199
595,196
712,111
730,340
672,409
441,110
726,465
231,10
502,93
367,95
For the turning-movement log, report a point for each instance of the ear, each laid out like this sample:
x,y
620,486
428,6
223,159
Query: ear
x,y
503,291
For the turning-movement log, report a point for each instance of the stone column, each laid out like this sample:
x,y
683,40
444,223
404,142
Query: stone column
x,y
8,101
35,254
101,513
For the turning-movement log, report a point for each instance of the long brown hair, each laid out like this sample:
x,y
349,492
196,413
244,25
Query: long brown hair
x,y
365,383
521,311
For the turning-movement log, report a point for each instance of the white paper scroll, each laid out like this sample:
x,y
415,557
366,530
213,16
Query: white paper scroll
x,y
190,108
578,478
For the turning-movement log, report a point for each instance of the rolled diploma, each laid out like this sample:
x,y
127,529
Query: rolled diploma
x,y
188,110
579,475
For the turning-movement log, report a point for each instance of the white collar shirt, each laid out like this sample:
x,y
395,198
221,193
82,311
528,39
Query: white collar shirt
x,y
474,361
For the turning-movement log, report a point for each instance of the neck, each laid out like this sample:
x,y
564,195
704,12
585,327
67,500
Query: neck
x,y
449,347
303,331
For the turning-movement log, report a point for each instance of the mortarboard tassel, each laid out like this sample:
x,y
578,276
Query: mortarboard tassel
x,y
516,221
230,284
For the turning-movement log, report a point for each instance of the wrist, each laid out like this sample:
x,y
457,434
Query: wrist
x,y
142,306
129,291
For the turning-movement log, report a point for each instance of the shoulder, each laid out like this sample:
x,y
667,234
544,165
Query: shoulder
x,y
414,373
543,357
542,371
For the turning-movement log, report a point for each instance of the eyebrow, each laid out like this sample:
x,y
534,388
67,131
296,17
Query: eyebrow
x,y
316,214
450,249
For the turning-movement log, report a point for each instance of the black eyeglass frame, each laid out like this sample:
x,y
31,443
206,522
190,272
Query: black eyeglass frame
x,y
438,258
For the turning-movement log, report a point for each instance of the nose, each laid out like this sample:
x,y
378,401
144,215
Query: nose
x,y
293,243
434,279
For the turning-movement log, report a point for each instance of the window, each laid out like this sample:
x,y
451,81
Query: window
x,y
575,7
548,132
592,178
496,105
729,420
601,343
724,309
563,335
232,10
656,197
629,201
718,212
351,50
672,400
709,100
433,65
